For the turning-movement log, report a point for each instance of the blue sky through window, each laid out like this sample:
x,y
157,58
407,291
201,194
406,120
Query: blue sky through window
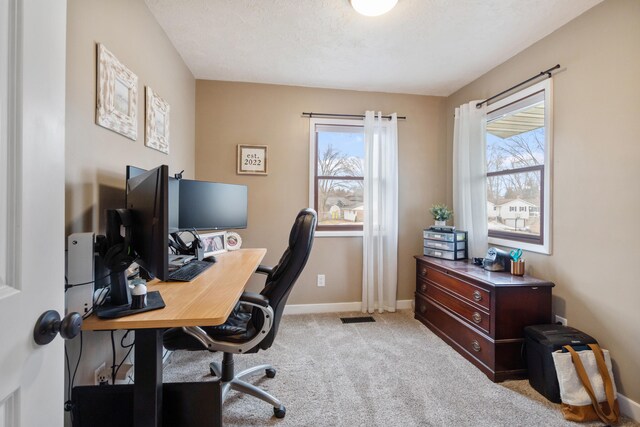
x,y
347,143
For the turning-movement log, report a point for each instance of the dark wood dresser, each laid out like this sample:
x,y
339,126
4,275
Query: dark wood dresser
x,y
481,314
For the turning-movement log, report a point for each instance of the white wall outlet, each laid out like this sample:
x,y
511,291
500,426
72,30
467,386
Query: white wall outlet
x,y
320,282
101,376
561,320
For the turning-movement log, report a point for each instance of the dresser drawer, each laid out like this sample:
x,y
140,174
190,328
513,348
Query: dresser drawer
x,y
472,315
465,290
464,338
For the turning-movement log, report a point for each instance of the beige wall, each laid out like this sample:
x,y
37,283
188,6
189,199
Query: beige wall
x,y
96,157
595,174
228,114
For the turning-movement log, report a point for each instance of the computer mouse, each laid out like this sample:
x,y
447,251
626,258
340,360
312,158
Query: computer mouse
x,y
209,258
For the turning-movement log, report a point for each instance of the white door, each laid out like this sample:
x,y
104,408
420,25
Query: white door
x,y
32,112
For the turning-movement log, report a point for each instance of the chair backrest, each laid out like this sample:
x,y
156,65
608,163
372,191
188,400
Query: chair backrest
x,y
284,275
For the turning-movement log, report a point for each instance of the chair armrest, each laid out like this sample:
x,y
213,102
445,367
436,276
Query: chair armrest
x,y
264,269
254,298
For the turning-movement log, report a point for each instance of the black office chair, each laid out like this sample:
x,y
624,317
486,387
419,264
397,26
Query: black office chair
x,y
253,324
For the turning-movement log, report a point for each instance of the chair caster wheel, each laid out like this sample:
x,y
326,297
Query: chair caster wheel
x,y
280,412
270,373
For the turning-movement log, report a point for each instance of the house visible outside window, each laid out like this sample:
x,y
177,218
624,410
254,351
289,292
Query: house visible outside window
x,y
518,136
336,167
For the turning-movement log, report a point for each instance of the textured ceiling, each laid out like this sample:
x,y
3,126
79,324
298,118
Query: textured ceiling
x,y
428,47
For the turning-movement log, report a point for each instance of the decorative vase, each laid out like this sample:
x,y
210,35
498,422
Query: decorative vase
x,y
441,223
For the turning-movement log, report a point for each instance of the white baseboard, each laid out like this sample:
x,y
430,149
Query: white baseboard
x,y
628,407
337,307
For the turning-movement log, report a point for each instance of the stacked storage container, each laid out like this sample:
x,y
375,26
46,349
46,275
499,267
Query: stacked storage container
x,y
445,243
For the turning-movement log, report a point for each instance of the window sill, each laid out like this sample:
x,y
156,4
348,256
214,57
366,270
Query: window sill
x,y
354,233
530,247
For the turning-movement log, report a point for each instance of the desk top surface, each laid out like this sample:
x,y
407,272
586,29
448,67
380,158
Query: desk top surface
x,y
205,301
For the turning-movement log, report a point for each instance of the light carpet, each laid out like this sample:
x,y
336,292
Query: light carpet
x,y
394,372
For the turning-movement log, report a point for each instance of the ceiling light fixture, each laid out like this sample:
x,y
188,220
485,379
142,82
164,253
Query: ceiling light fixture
x,y
373,7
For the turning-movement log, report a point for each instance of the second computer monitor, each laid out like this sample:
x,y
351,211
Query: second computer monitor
x,y
212,205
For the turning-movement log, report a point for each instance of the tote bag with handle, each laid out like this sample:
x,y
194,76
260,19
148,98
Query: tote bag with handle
x,y
587,389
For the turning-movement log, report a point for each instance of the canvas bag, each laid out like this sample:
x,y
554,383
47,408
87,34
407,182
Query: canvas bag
x,y
587,389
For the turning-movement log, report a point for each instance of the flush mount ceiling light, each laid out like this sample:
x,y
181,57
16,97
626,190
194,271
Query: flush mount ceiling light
x,y
373,7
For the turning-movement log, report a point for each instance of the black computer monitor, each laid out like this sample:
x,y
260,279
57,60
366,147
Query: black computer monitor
x,y
134,171
212,205
148,202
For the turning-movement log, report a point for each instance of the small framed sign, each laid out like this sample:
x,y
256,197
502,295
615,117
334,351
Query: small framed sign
x,y
252,159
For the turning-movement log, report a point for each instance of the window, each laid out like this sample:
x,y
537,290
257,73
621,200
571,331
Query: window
x,y
518,136
337,176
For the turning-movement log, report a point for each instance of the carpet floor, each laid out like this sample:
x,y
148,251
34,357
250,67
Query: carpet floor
x,y
394,372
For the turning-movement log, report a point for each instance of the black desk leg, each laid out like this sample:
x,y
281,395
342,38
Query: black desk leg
x,y
147,401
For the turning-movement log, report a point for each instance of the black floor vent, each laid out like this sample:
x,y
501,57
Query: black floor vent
x,y
363,319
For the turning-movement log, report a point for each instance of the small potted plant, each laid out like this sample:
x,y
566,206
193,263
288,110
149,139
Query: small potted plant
x,y
441,213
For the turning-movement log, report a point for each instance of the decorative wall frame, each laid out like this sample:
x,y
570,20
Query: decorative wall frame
x,y
156,130
252,159
116,95
214,243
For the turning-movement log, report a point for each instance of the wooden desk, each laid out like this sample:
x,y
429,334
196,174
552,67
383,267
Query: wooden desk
x,y
206,301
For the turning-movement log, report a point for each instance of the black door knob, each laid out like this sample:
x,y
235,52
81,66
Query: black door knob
x,y
49,324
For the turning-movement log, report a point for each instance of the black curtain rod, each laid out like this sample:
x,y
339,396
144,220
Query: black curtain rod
x,y
354,116
542,73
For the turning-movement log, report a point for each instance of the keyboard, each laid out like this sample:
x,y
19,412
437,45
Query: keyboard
x,y
189,271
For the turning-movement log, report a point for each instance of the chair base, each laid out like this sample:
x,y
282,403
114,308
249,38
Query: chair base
x,y
232,381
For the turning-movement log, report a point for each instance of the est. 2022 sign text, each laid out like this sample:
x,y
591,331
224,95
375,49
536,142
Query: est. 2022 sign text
x,y
252,159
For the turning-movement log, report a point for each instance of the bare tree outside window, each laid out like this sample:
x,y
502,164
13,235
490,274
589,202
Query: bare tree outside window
x,y
515,173
339,179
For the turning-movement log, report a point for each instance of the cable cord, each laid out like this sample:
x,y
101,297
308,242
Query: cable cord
x,y
68,286
68,404
130,347
113,358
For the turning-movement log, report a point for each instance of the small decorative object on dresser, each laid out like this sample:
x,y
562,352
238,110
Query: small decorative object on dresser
x,y
441,214
481,314
517,263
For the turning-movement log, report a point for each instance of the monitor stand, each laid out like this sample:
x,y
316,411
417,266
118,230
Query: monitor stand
x,y
119,302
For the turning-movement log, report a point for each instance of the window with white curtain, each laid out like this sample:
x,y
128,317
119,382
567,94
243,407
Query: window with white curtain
x,y
336,184
518,136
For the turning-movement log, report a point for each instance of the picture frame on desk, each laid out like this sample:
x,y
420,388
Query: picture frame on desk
x,y
234,241
214,243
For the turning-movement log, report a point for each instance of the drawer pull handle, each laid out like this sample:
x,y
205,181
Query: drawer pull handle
x,y
477,296
476,346
423,287
476,317
423,308
423,272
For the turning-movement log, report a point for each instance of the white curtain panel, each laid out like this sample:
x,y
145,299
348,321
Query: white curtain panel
x,y
470,176
380,240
